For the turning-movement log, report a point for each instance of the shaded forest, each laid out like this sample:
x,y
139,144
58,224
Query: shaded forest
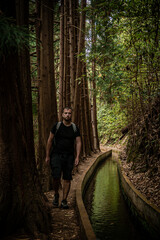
x,y
99,57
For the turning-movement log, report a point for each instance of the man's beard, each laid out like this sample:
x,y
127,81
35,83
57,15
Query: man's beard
x,y
67,119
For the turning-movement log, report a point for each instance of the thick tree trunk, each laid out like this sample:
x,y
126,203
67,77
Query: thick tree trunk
x,y
79,66
21,202
47,91
24,71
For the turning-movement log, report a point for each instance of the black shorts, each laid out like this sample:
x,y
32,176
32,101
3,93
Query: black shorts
x,y
62,163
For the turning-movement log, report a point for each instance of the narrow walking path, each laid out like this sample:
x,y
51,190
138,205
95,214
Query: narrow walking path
x,y
65,223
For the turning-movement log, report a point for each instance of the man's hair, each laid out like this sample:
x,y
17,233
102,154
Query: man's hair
x,y
66,108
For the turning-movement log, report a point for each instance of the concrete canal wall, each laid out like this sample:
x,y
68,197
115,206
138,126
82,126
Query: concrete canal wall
x,y
146,212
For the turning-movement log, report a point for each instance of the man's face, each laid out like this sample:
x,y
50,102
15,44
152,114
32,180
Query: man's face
x,y
67,114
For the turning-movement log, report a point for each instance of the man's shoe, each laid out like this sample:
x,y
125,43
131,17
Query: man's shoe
x,y
64,204
56,200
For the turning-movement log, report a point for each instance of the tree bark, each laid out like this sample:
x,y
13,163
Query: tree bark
x,y
22,203
61,74
64,80
82,111
38,31
72,35
94,120
47,91
66,89
76,116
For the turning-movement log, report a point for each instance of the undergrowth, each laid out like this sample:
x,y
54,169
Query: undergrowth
x,y
144,138
111,119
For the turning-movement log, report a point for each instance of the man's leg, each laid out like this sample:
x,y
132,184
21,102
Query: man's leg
x,y
66,188
56,173
67,176
56,185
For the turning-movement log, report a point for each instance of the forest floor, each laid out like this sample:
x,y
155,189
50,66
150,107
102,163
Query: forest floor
x,y
65,223
148,182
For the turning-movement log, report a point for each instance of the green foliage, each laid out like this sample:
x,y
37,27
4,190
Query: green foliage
x,y
111,119
12,37
143,145
126,52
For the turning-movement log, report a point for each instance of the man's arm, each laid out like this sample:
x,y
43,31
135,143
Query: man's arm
x,y
48,147
78,149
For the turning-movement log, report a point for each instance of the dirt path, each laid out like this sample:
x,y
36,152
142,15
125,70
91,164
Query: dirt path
x,y
65,223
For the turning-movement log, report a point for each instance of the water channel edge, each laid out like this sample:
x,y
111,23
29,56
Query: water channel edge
x,y
148,214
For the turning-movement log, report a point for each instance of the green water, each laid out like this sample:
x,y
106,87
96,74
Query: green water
x,y
109,214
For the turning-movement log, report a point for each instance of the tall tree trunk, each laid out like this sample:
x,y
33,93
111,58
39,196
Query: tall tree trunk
x,y
24,71
88,114
81,39
94,110
47,90
21,200
95,130
64,80
66,88
61,74
72,35
82,114
38,31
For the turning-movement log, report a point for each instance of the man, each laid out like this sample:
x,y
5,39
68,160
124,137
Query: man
x,y
62,160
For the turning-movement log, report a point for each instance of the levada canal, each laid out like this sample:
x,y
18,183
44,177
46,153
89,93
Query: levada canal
x,y
109,214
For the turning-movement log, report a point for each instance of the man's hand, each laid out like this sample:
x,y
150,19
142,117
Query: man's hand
x,y
47,160
78,149
48,147
76,161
